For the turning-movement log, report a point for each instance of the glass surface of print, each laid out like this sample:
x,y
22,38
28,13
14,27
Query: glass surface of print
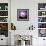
x,y
23,14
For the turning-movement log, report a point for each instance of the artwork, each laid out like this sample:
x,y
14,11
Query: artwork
x,y
13,27
43,25
41,19
41,13
4,29
3,19
41,6
23,14
42,32
3,13
3,6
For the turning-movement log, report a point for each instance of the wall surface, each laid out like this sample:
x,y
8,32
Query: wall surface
x,y
32,5
24,4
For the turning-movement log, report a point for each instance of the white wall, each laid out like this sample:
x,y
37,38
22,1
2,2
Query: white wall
x,y
32,5
24,4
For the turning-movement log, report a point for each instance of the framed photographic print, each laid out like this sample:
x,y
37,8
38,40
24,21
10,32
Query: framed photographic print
x,y
4,29
22,14
42,32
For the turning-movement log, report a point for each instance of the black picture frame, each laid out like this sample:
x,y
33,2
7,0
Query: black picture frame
x,y
22,14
